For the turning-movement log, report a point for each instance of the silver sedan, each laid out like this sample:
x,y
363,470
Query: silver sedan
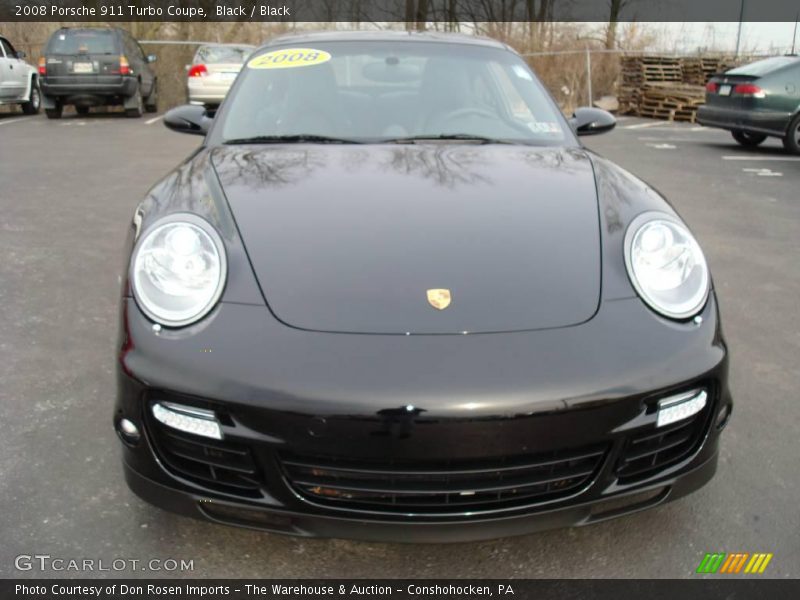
x,y
213,71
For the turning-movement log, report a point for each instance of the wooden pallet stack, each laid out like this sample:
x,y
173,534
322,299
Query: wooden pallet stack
x,y
661,68
665,87
671,101
629,91
638,72
698,70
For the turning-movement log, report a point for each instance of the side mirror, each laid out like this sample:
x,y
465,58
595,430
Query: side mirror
x,y
189,118
151,58
591,121
21,54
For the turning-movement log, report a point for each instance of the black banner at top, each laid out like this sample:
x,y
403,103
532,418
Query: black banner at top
x,y
397,10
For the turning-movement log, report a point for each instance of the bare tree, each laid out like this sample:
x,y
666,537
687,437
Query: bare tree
x,y
615,7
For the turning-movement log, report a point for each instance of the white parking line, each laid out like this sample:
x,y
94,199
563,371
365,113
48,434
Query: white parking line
x,y
764,172
652,138
663,146
7,121
776,158
667,129
643,125
153,120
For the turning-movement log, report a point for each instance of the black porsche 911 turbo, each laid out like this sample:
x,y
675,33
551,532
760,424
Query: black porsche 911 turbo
x,y
392,297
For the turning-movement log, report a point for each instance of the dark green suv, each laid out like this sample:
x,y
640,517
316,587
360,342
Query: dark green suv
x,y
756,101
96,66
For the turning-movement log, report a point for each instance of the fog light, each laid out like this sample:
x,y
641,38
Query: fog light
x,y
128,431
682,406
188,418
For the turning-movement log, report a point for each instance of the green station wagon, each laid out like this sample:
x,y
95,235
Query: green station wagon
x,y
757,101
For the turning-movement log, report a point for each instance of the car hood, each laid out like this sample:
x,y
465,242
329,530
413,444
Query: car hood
x,y
347,238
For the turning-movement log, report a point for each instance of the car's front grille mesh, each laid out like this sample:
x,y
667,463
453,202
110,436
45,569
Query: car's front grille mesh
x,y
441,487
647,453
221,466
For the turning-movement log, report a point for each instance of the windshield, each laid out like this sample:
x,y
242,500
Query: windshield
x,y
386,91
222,54
83,41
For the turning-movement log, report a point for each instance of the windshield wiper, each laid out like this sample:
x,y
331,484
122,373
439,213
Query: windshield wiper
x,y
461,137
292,139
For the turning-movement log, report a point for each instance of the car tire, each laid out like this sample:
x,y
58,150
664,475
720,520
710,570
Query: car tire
x,y
34,103
151,103
138,110
747,139
791,141
82,110
54,113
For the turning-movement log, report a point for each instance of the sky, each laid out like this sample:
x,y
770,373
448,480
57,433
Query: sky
x,y
757,38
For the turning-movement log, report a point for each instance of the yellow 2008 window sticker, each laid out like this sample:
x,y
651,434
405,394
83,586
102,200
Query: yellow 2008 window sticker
x,y
288,58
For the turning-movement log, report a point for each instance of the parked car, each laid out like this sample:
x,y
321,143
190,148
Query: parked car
x,y
757,101
96,66
19,82
213,70
392,296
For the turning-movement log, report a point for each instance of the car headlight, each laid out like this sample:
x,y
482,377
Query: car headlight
x,y
178,270
666,265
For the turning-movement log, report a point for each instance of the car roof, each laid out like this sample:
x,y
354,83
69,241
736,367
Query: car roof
x,y
387,36
766,66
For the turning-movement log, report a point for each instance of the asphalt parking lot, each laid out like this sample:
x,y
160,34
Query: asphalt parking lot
x,y
67,191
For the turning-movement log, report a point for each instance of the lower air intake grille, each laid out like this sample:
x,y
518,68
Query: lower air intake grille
x,y
216,465
646,454
441,487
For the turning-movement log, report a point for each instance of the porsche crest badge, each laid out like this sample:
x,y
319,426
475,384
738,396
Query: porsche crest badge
x,y
439,298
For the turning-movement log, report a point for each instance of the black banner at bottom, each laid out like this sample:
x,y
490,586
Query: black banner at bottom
x,y
405,589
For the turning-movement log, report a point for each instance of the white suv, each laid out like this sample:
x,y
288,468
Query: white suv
x,y
19,81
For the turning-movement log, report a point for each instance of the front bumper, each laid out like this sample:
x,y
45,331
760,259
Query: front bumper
x,y
752,121
306,524
420,400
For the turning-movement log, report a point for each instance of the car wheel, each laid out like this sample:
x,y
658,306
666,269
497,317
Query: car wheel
x,y
82,110
791,141
151,104
138,109
54,113
748,139
34,103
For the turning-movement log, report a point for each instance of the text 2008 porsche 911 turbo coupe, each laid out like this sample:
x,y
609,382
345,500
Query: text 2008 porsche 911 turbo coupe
x,y
392,297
